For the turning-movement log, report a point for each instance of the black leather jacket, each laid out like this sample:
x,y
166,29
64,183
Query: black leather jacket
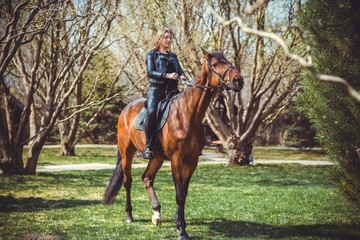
x,y
156,65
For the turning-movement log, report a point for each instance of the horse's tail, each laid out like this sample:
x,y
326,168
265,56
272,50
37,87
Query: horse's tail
x,y
115,182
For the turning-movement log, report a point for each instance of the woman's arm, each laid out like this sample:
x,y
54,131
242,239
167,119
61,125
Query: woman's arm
x,y
151,67
180,71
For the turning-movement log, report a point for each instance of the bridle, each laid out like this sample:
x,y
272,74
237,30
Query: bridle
x,y
221,78
223,86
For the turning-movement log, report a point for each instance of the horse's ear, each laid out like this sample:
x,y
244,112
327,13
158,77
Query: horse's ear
x,y
206,54
221,51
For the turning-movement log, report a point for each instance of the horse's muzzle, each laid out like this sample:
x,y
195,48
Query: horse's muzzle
x,y
237,84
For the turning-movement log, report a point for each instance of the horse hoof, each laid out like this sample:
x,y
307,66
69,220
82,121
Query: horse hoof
x,y
156,219
183,238
157,222
129,220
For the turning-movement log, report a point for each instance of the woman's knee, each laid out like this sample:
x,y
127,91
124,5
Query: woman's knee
x,y
151,111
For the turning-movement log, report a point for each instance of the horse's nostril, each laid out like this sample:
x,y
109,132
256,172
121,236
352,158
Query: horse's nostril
x,y
238,81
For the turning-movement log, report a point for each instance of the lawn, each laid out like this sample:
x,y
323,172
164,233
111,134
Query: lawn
x,y
51,156
274,154
286,201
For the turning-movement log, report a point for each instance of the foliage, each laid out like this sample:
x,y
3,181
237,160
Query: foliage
x,y
291,129
259,202
298,129
97,79
332,29
103,130
98,76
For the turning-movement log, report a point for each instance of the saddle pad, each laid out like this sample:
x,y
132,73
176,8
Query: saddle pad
x,y
141,119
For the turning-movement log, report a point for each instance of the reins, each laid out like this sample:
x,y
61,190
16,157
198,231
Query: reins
x,y
220,77
191,84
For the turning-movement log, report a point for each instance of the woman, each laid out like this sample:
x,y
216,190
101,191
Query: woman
x,y
163,70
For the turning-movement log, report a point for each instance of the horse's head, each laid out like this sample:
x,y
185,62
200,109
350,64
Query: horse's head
x,y
224,74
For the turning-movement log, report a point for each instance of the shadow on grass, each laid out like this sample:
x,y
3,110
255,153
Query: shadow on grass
x,y
241,229
31,204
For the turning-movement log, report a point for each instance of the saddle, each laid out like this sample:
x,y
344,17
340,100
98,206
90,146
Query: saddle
x,y
162,112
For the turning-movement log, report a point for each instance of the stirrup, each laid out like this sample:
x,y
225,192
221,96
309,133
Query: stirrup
x,y
148,153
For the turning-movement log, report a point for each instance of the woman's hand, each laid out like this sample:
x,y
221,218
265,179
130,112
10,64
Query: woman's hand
x,y
173,75
182,77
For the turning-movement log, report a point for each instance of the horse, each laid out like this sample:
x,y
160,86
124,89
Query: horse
x,y
182,138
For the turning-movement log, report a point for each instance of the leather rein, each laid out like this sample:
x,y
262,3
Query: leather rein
x,y
220,77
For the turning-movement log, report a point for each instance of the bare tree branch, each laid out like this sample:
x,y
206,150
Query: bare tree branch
x,y
304,62
255,6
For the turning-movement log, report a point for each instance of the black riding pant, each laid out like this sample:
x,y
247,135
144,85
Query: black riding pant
x,y
154,95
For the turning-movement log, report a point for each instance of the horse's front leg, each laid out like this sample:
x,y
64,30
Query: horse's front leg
x,y
148,178
181,176
176,215
180,189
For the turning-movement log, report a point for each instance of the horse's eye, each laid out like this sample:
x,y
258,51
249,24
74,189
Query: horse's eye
x,y
215,65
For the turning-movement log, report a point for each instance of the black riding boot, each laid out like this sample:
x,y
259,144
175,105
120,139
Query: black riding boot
x,y
149,132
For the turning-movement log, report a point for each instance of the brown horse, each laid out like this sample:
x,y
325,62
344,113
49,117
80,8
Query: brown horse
x,y
182,138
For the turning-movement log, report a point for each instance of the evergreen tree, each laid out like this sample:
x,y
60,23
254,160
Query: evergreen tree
x,y
332,28
299,131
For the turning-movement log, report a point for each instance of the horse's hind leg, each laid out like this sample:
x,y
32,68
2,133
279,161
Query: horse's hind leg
x,y
128,181
148,178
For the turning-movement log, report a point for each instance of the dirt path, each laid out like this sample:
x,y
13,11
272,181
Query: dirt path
x,y
206,158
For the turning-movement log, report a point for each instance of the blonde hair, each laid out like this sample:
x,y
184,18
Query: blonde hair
x,y
159,37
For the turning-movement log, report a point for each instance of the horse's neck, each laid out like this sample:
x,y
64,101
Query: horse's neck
x,y
194,100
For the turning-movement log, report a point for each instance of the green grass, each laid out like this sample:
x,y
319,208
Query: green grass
x,y
51,156
267,154
259,202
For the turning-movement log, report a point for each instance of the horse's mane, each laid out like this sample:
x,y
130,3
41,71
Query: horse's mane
x,y
219,55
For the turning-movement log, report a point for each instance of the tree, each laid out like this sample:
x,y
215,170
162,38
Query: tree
x,y
271,78
102,105
95,90
67,44
18,29
332,30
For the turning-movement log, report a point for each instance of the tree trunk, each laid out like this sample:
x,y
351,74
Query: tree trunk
x,y
33,125
67,149
10,158
67,128
67,146
33,153
10,154
240,155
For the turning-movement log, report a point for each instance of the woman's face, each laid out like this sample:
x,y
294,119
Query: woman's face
x,y
166,40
